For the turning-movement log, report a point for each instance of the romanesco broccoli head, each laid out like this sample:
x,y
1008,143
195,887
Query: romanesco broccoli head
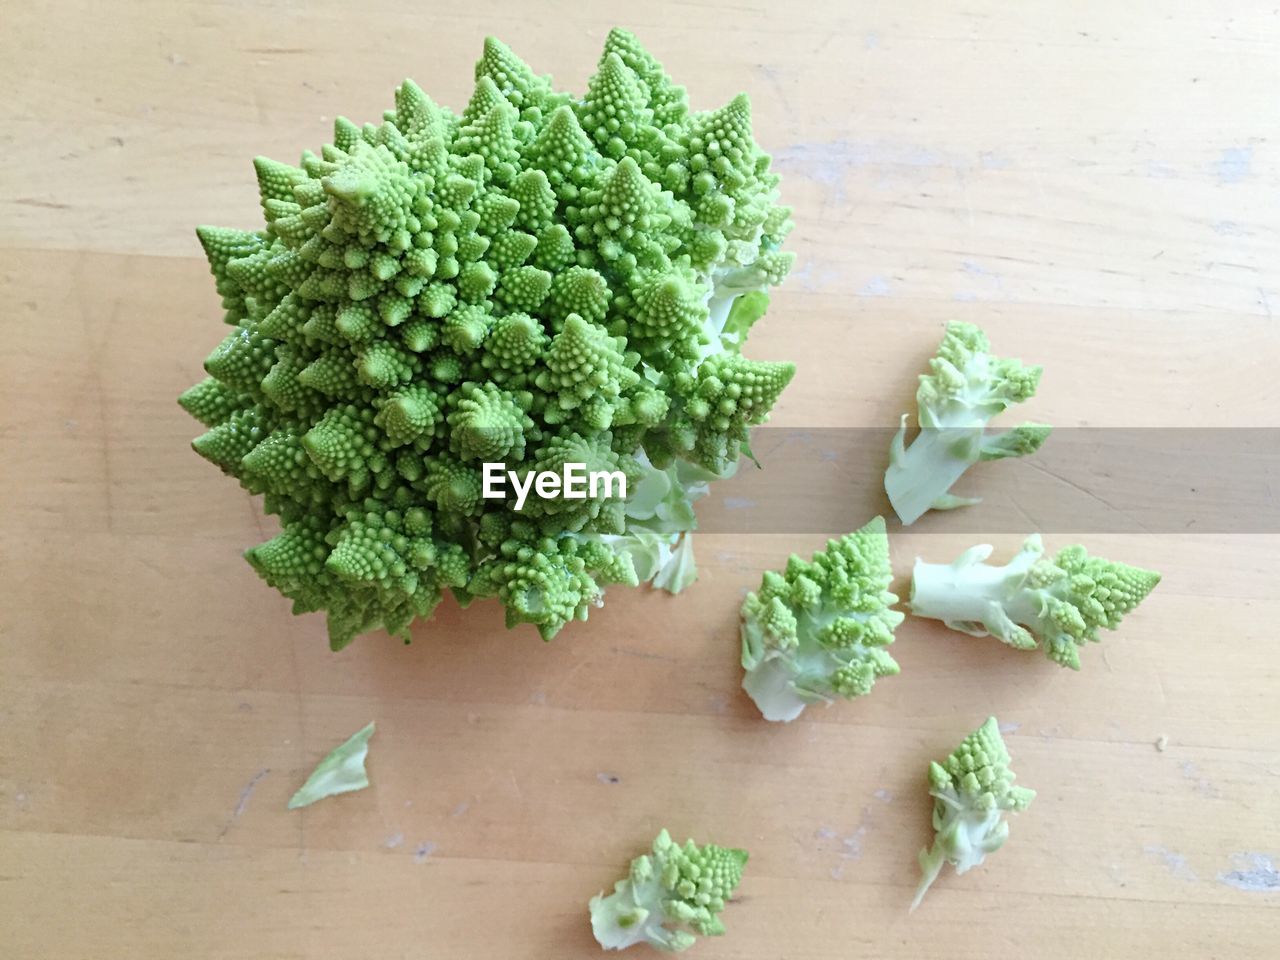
x,y
1059,603
538,280
965,388
668,896
820,629
972,790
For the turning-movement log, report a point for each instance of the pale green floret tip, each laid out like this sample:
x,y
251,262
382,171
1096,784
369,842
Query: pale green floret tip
x,y
669,897
1018,442
1057,604
965,388
972,790
538,280
820,630
341,771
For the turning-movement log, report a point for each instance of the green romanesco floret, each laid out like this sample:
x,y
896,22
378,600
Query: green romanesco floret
x,y
537,280
669,897
972,789
965,388
820,629
1032,601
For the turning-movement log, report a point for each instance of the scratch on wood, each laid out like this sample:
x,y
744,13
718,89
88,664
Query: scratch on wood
x,y
43,204
1086,491
568,677
243,803
108,480
1164,697
516,783
642,654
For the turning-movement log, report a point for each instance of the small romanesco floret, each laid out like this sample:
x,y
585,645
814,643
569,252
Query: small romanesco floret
x,y
972,790
668,896
542,279
1031,601
965,388
819,630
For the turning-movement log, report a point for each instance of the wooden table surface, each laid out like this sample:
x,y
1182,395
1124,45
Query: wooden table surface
x,y
1094,184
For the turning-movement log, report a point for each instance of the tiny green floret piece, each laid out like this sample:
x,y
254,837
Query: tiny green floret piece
x,y
669,897
1033,601
538,279
972,790
965,388
820,629
342,771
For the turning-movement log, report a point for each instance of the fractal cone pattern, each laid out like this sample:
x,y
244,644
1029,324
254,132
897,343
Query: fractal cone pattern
x,y
540,280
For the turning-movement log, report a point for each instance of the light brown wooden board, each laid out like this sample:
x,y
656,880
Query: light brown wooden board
x,y
1094,183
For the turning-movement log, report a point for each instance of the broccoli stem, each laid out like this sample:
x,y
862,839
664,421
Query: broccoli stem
x,y
977,598
963,599
965,836
633,914
931,861
719,303
770,686
920,476
620,922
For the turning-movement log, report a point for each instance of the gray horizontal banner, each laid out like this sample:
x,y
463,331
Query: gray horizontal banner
x,y
1083,480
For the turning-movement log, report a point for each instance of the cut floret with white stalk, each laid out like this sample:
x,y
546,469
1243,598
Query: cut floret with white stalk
x,y
972,790
819,630
966,387
669,897
1057,604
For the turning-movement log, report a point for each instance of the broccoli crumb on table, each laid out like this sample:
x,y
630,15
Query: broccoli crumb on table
x,y
1089,184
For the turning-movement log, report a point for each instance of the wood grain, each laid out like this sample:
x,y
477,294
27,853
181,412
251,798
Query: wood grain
x,y
1093,183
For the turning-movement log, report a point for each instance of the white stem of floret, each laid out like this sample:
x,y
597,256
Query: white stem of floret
x,y
974,833
687,482
978,598
931,861
677,568
920,476
625,901
724,284
964,837
783,682
719,303
770,685
650,552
